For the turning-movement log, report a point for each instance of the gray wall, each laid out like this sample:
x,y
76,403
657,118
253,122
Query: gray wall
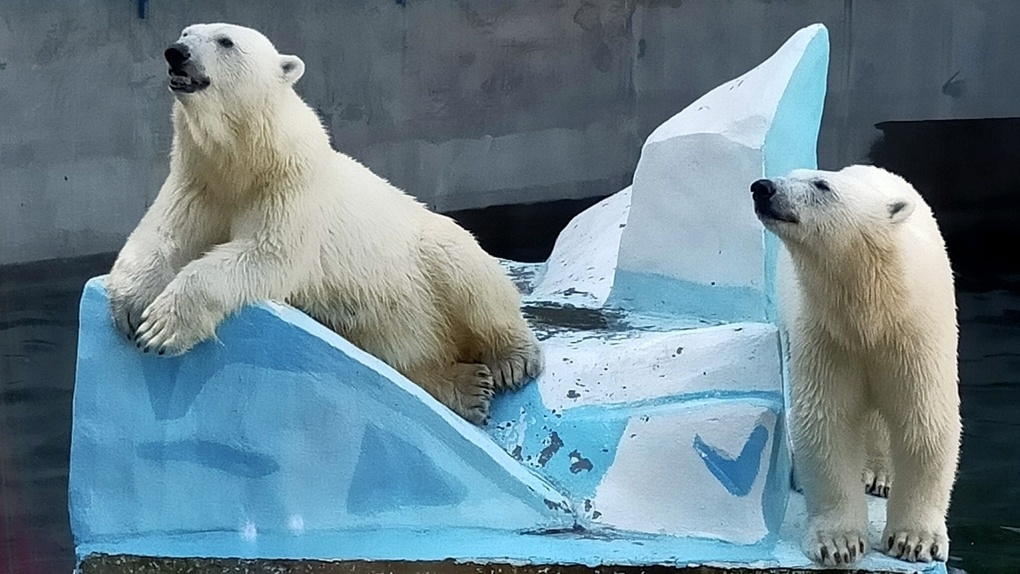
x,y
463,103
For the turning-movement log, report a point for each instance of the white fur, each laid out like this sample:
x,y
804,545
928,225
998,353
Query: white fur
x,y
867,302
258,206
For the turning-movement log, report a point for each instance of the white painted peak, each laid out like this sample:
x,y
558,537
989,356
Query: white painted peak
x,y
742,109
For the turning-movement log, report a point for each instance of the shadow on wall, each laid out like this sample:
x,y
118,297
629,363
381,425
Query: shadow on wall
x,y
969,172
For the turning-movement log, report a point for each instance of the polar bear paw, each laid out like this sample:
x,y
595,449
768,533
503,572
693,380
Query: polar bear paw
x,y
474,388
518,367
170,328
127,314
836,547
917,545
877,482
127,303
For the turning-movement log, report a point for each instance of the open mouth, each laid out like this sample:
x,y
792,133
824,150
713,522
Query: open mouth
x,y
766,212
183,82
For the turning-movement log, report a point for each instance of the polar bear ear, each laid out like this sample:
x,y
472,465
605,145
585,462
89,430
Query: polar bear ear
x,y
900,210
292,67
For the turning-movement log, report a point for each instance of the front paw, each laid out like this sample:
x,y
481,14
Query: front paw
x,y
129,295
127,315
168,327
917,544
126,307
838,546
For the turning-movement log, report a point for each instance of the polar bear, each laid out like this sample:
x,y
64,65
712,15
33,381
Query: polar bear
x,y
867,305
258,206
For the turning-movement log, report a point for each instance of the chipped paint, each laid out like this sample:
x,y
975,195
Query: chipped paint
x,y
578,463
553,445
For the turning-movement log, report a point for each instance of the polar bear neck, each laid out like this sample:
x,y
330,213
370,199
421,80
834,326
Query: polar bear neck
x,y
236,146
858,293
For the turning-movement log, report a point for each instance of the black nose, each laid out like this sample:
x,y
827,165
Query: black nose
x,y
763,189
176,55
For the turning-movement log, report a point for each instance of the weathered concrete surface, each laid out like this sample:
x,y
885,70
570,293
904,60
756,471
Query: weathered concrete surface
x,y
465,104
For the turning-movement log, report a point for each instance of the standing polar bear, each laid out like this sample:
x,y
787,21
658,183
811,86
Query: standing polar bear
x,y
259,206
866,299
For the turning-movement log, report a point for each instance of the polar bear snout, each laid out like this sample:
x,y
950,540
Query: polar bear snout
x,y
770,205
177,55
184,75
763,190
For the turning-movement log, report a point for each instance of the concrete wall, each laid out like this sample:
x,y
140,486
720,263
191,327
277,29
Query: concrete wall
x,y
463,103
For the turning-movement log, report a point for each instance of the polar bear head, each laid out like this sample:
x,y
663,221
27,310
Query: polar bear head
x,y
227,63
832,208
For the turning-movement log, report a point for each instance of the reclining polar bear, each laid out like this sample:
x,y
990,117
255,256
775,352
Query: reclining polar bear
x,y
259,206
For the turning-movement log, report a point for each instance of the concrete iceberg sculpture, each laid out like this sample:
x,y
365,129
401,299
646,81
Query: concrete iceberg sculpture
x,y
663,414
654,437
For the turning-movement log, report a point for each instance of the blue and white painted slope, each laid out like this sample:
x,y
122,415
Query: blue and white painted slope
x,y
283,428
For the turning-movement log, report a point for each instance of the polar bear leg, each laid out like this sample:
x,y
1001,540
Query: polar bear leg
x,y
826,414
925,442
481,299
466,388
175,230
500,336
878,467
209,289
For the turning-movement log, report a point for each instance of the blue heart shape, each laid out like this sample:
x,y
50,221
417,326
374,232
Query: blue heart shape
x,y
736,474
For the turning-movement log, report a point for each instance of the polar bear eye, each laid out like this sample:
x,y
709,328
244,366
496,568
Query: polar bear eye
x,y
225,42
821,185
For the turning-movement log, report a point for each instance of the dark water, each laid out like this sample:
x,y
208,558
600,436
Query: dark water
x,y
38,332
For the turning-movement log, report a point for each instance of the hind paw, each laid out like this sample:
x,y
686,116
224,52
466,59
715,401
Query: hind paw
x,y
520,366
474,388
877,483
